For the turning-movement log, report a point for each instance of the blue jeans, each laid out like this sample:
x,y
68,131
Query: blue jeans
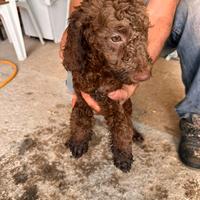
x,y
185,37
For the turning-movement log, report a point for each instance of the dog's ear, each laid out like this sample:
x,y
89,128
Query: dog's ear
x,y
76,45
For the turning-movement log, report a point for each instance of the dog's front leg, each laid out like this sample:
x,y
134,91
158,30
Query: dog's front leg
x,y
121,131
81,128
121,139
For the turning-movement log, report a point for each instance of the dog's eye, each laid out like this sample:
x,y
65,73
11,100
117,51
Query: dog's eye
x,y
116,38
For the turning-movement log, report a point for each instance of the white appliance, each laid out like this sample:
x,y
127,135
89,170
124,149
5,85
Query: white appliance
x,y
51,16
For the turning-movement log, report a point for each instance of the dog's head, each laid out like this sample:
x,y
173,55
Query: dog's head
x,y
110,34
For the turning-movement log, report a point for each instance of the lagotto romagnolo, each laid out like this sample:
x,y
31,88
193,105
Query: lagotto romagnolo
x,y
106,48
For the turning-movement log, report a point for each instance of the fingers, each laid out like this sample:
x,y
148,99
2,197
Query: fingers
x,y
91,102
74,99
62,44
124,93
120,95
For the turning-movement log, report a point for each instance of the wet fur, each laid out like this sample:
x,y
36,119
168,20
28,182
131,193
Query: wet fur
x,y
99,66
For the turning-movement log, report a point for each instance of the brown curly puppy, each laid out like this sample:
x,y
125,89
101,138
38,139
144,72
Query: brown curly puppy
x,y
106,48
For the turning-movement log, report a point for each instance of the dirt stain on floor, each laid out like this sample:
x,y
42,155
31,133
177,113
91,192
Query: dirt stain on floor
x,y
158,193
31,193
27,144
192,189
20,177
51,173
58,106
87,168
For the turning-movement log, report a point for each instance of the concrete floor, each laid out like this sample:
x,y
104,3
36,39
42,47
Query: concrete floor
x,y
34,124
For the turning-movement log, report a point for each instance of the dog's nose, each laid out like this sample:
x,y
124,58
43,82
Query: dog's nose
x,y
142,74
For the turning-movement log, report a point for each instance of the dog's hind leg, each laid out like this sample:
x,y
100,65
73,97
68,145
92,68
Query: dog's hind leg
x,y
81,128
137,137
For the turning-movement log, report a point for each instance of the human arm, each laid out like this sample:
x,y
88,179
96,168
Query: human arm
x,y
161,16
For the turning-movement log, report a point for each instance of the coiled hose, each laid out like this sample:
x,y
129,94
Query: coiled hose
x,y
14,72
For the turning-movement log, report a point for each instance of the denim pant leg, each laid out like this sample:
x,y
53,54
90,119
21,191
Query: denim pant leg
x,y
186,36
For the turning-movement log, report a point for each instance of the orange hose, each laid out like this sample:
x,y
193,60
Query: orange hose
x,y
14,67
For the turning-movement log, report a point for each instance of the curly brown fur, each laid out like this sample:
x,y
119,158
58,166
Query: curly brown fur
x,y
106,48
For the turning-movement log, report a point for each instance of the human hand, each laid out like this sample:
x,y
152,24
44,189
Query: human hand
x,y
124,93
62,44
89,100
119,95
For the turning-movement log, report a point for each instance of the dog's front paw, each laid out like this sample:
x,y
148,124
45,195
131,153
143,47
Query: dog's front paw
x,y
122,160
77,149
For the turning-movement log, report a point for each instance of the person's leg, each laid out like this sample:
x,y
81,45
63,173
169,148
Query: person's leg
x,y
189,53
186,37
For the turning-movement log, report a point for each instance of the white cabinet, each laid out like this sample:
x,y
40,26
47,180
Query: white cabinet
x,y
51,16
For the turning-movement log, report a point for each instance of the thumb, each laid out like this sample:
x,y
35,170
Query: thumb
x,y
124,93
119,95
